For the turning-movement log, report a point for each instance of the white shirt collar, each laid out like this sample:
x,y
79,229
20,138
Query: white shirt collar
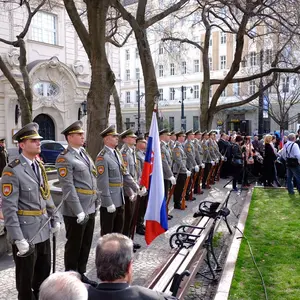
x,y
77,150
29,161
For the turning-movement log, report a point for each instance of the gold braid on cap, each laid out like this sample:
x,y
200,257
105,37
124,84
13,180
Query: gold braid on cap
x,y
45,190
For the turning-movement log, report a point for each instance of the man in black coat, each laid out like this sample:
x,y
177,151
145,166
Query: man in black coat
x,y
225,150
114,255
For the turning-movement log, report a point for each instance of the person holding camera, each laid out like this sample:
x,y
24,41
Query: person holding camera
x,y
291,154
237,161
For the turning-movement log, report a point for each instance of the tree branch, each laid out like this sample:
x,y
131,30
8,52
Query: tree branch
x,y
182,41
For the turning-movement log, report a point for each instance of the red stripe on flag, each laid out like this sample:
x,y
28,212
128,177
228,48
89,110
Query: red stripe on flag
x,y
147,169
153,229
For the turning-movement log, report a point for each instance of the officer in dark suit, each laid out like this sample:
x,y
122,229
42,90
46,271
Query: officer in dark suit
x,y
77,175
27,205
3,156
114,264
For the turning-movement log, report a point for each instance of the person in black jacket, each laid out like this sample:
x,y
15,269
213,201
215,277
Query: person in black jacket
x,y
225,150
269,161
237,161
114,268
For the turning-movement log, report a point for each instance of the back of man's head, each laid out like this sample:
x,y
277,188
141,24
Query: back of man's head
x,y
63,285
292,137
114,254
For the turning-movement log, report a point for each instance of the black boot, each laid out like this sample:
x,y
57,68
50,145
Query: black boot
x,y
84,279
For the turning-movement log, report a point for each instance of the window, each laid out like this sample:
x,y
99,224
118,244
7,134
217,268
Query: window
x,y
137,73
160,70
195,123
183,93
172,94
253,59
172,69
46,89
44,28
223,38
223,62
210,63
161,49
136,53
183,67
136,96
127,54
127,76
269,56
224,93
127,97
196,66
252,87
161,94
127,123
196,91
171,123
236,89
285,84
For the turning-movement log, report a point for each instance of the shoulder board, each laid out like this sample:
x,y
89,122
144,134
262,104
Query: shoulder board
x,y
14,163
102,152
64,152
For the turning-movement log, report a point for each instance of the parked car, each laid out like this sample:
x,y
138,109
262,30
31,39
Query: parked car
x,y
50,150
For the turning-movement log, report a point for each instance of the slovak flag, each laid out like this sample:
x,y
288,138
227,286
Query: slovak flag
x,y
281,144
152,178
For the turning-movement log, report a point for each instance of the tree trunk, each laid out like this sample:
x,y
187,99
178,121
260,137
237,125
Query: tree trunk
x,y
102,79
150,82
119,119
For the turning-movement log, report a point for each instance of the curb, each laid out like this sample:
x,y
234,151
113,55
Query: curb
x,y
228,271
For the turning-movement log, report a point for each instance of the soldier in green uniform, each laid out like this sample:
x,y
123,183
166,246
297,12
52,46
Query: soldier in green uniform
x,y
77,174
27,205
179,168
207,160
172,140
198,158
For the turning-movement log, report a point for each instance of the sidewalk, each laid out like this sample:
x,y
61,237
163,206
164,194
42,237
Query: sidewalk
x,y
146,261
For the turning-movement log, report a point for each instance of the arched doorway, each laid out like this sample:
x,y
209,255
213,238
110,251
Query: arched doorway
x,y
47,128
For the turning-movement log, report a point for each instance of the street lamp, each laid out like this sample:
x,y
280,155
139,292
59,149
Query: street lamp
x,y
139,108
261,99
82,111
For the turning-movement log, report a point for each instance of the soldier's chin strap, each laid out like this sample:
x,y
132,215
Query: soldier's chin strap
x,y
30,242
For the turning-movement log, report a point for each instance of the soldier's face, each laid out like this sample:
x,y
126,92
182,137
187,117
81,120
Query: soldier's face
x,y
111,141
31,147
76,139
141,146
131,141
173,137
181,139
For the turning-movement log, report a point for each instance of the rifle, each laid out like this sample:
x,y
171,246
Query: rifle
x,y
200,180
184,192
219,170
192,186
207,183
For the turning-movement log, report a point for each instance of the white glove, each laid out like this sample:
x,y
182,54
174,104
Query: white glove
x,y
188,173
22,246
80,217
137,187
142,192
202,165
217,161
133,196
222,158
173,180
55,230
111,209
212,163
197,169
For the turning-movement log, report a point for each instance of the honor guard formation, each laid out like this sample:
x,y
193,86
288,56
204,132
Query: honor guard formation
x,y
191,161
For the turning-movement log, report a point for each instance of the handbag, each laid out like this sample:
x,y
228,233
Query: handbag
x,y
291,162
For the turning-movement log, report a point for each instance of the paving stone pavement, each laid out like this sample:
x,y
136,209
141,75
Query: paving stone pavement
x,y
147,260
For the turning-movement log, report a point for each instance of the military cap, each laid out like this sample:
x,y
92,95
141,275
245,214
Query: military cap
x,y
141,139
128,133
29,131
2,140
212,132
146,134
204,132
197,132
189,132
76,127
164,131
111,130
180,133
172,132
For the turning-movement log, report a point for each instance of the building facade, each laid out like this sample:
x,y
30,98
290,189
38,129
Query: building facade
x,y
58,67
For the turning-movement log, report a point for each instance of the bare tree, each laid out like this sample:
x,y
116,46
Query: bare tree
x,y
24,93
139,24
245,21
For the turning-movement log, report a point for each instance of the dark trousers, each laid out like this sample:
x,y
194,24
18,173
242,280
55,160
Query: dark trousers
x,y
167,185
129,213
179,189
32,270
111,222
142,206
79,241
206,171
236,173
197,183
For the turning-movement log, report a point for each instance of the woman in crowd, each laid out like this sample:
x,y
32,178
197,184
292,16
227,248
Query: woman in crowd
x,y
247,149
237,161
269,161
